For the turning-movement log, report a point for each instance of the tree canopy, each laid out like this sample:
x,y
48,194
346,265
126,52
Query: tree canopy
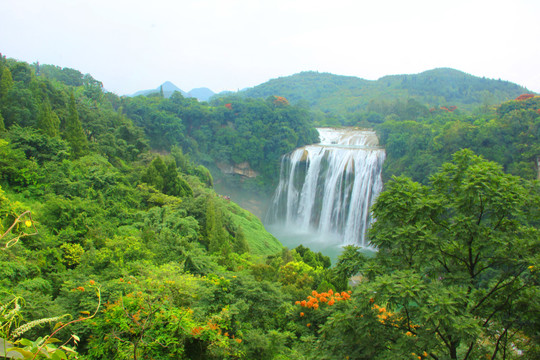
x,y
456,271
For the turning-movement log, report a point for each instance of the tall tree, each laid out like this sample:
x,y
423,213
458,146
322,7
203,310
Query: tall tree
x,y
2,126
173,184
6,82
48,121
73,130
216,234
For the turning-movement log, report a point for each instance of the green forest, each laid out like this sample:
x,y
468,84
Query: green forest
x,y
114,244
336,95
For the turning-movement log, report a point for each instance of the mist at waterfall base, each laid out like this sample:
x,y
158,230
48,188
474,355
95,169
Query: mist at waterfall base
x,y
325,192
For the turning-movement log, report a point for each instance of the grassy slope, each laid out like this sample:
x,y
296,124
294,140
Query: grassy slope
x,y
260,241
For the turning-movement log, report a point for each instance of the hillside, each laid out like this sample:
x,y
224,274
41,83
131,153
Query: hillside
x,y
343,94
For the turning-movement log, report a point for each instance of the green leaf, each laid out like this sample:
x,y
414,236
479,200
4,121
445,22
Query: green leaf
x,y
58,355
17,353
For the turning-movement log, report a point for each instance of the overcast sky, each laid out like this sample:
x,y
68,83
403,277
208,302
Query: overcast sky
x,y
132,45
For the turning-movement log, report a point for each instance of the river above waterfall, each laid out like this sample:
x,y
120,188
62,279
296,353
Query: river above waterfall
x,y
325,191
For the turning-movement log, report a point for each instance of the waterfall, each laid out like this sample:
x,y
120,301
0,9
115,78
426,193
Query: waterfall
x,y
328,188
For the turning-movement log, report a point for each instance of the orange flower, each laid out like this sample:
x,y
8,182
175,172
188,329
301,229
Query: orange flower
x,y
80,288
301,314
331,302
308,325
238,340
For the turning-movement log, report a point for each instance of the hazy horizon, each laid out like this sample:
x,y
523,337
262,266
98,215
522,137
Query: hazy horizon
x,y
134,45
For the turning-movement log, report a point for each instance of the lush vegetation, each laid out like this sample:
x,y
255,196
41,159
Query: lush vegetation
x,y
228,131
334,96
114,244
418,141
79,167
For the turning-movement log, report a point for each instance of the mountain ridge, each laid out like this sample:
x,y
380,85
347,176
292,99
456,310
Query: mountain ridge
x,y
332,93
435,87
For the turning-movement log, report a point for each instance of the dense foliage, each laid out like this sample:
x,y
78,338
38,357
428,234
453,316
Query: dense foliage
x,y
227,132
114,245
87,203
418,141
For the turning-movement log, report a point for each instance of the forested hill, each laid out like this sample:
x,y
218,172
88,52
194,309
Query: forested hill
x,y
342,94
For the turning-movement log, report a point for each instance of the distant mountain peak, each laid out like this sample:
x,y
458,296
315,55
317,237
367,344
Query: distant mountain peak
x,y
201,94
168,89
169,86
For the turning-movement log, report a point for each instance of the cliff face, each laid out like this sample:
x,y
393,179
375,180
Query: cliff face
x,y
242,169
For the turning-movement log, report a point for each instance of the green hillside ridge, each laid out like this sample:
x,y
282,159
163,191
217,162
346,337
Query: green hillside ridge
x,y
341,94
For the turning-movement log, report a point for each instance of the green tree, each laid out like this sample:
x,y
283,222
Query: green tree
x,y
2,125
216,234
154,173
48,121
456,262
173,184
73,130
6,82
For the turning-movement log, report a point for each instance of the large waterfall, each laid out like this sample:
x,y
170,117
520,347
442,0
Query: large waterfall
x,y
327,189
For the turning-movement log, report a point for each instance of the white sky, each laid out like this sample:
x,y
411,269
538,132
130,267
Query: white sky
x,y
133,45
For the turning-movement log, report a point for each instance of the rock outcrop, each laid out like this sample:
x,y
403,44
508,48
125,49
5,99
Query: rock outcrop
x,y
242,169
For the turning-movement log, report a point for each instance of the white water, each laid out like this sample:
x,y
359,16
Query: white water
x,y
326,190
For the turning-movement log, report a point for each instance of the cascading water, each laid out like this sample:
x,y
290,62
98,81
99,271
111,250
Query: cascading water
x,y
327,189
